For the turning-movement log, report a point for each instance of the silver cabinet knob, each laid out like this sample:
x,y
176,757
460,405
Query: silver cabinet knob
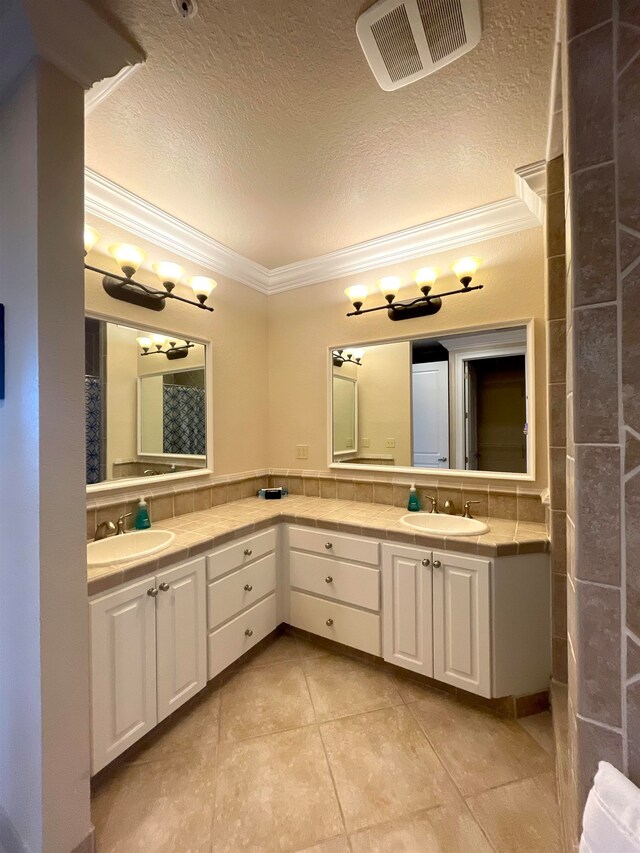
x,y
329,546
248,633
436,564
165,587
329,622
248,587
248,552
328,579
152,592
425,562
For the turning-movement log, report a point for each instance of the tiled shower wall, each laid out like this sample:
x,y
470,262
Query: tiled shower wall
x,y
557,395
602,149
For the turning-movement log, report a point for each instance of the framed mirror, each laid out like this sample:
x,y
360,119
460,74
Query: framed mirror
x,y
452,403
146,404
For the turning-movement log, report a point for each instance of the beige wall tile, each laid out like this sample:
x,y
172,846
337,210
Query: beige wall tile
x,y
160,507
202,499
556,288
363,492
183,503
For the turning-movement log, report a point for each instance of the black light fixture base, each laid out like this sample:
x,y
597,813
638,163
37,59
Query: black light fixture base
x,y
174,354
120,290
410,312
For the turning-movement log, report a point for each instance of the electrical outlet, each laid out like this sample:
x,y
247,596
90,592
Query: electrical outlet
x,y
302,451
365,442
389,442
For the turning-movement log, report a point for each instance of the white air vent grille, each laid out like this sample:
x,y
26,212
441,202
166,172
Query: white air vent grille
x,y
405,40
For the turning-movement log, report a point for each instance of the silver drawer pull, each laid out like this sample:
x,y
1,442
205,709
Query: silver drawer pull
x,y
248,552
165,587
328,579
329,546
152,592
329,622
248,633
425,562
436,564
248,587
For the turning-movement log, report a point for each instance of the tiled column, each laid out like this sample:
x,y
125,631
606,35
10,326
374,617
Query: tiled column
x,y
602,61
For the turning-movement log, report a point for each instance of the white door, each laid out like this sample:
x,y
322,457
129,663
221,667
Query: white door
x,y
407,608
181,626
430,401
461,622
123,670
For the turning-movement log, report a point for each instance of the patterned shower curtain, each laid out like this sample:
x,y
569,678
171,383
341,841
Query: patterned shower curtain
x,y
93,427
184,420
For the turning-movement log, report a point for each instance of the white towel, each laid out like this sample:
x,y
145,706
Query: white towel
x,y
611,822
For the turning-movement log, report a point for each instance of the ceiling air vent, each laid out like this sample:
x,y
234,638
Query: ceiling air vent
x,y
405,40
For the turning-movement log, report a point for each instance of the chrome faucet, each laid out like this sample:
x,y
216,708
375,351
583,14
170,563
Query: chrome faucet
x,y
434,503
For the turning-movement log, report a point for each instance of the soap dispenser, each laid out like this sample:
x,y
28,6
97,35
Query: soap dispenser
x,y
414,503
142,516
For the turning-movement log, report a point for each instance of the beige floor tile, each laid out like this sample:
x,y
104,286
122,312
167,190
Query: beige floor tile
x,y
274,793
412,691
445,829
540,727
165,806
334,845
340,686
283,649
263,700
522,816
383,767
195,727
479,750
309,649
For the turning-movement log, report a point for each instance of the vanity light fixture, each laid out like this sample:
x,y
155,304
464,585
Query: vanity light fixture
x,y
152,345
420,306
124,287
353,356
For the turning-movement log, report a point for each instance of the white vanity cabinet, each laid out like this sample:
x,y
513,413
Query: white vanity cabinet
x,y
148,655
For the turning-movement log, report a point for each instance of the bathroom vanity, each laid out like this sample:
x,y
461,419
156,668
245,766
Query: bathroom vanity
x,y
471,612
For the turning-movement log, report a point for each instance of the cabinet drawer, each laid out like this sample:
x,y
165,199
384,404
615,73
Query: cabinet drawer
x,y
235,638
244,551
335,545
235,592
335,579
347,625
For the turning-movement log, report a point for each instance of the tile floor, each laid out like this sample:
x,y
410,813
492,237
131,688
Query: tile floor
x,y
302,749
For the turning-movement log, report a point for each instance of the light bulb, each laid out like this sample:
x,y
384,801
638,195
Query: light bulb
x,y
144,342
356,354
357,294
158,340
425,276
389,286
202,287
168,273
91,237
466,268
128,257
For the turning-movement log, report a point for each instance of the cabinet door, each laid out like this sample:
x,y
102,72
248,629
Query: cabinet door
x,y
181,625
407,607
123,670
461,622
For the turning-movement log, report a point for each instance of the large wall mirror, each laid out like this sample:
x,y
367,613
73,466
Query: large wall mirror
x,y
455,402
145,403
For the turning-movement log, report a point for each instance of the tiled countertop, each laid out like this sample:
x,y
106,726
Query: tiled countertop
x,y
200,532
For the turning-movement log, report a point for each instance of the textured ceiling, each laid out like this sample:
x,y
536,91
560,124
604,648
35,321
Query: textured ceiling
x,y
260,123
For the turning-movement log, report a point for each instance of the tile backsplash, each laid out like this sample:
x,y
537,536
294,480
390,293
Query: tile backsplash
x,y
501,500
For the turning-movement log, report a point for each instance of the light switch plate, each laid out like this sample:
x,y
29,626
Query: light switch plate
x,y
302,451
390,442
365,442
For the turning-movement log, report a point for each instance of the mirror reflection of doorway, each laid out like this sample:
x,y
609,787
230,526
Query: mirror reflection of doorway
x,y
495,414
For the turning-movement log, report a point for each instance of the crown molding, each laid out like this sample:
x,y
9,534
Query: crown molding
x,y
113,204
101,90
531,187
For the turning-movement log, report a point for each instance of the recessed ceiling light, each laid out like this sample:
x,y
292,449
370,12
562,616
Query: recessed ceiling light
x,y
185,8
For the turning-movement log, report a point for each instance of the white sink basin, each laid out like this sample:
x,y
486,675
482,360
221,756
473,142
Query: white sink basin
x,y
129,546
444,525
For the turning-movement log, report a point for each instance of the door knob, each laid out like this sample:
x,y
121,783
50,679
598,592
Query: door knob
x,y
165,587
152,592
442,458
329,622
248,633
248,587
329,546
425,562
248,552
328,579
436,564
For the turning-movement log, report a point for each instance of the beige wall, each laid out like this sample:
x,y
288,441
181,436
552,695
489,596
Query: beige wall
x,y
385,401
304,322
238,333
